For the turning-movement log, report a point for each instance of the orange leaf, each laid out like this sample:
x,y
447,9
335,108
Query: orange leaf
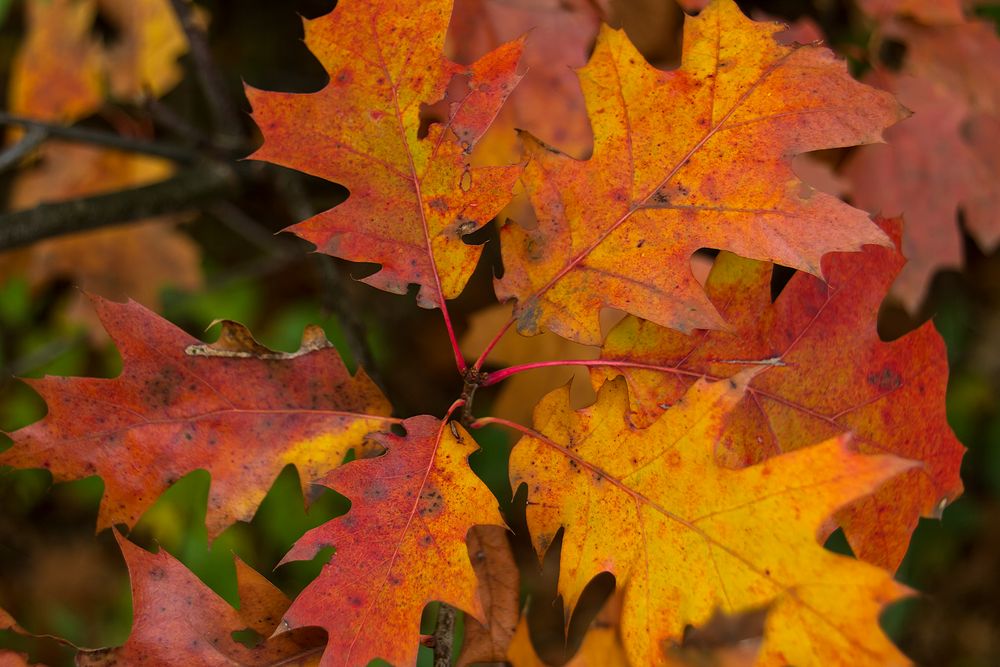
x,y
940,161
143,60
696,157
240,412
401,546
412,198
134,261
823,371
178,620
685,536
601,647
547,102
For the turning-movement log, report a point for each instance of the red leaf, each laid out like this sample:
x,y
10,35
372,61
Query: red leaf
x,y
236,409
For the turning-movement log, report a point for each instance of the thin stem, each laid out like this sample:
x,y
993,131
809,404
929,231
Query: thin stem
x,y
497,376
101,138
31,140
492,344
456,350
500,421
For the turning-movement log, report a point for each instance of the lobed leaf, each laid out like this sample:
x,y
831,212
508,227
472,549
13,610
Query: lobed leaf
x,y
237,410
696,157
823,370
401,546
178,620
412,198
685,536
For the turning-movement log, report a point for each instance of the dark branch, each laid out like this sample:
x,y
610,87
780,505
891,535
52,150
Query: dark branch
x,y
100,138
188,189
32,139
444,635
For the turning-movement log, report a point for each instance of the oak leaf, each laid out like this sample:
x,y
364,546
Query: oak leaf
x,y
696,157
685,536
235,409
941,161
823,371
928,172
143,61
548,101
401,545
178,620
412,197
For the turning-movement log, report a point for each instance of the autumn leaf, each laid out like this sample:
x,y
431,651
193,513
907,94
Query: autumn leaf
x,y
412,198
235,409
940,162
56,74
548,101
118,262
401,546
178,620
928,171
143,62
618,230
499,593
601,647
685,536
823,371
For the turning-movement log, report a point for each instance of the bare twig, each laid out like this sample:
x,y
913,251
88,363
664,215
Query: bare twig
x,y
224,118
101,138
184,191
444,635
32,139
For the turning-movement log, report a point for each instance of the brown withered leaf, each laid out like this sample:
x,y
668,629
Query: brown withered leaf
x,y
499,592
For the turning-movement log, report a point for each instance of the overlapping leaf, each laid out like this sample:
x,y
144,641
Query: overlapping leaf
x,y
547,102
941,161
235,409
824,371
499,593
685,536
697,157
178,620
412,198
401,546
601,647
